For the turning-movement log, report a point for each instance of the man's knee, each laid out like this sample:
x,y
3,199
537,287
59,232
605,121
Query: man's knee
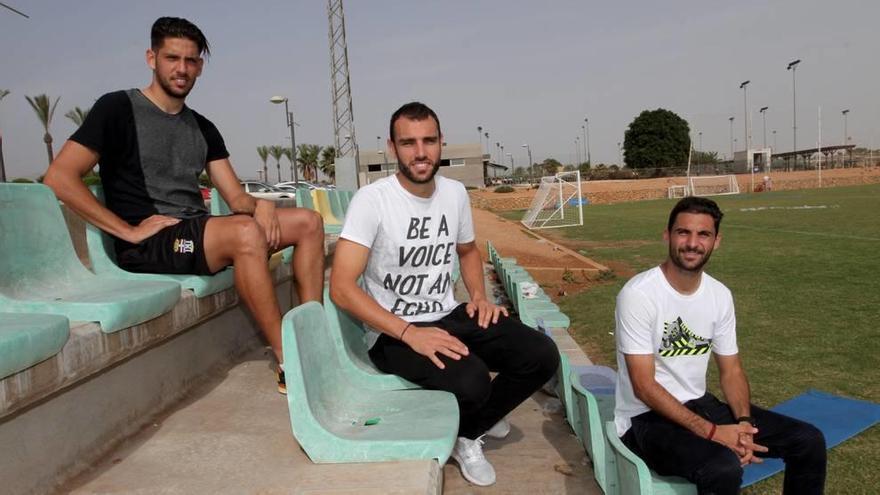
x,y
722,473
808,442
543,357
247,237
471,387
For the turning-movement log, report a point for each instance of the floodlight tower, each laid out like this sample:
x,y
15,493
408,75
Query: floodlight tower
x,y
340,87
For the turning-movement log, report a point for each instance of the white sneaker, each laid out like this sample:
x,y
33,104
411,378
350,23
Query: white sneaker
x,y
499,430
473,464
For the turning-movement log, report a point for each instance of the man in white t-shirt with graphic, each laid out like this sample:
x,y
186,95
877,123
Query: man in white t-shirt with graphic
x,y
403,234
668,320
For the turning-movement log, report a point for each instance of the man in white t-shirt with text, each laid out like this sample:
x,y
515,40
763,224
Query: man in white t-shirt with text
x,y
669,319
402,235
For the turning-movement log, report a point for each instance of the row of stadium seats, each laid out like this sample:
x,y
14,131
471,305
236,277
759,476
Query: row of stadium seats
x,y
44,286
587,395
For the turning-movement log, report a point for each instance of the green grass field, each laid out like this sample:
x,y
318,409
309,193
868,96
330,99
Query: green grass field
x,y
804,268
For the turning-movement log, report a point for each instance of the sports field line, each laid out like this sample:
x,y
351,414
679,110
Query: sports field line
x,y
801,232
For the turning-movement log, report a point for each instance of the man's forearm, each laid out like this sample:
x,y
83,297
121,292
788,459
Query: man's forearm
x,y
471,267
660,400
243,204
352,299
735,387
75,195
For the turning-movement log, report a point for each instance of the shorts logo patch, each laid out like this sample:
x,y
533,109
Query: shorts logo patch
x,y
183,246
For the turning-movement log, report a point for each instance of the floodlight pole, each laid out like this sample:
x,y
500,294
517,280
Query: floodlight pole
x,y
731,140
763,111
587,137
746,123
290,123
845,134
531,172
792,66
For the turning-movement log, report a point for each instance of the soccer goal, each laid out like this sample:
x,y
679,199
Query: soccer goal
x,y
558,202
713,185
677,191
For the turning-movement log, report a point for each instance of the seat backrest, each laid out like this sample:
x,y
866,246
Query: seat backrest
x,y
633,476
219,207
304,198
348,331
336,203
322,202
102,253
34,240
311,365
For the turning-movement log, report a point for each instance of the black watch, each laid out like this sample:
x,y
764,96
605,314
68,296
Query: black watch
x,y
748,419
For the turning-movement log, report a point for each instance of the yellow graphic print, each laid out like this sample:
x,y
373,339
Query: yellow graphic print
x,y
183,246
679,340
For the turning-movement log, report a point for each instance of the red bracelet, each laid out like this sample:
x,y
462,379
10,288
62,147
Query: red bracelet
x,y
711,432
404,331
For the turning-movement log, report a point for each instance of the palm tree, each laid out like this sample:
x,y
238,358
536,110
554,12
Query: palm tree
x,y
328,162
308,158
288,152
263,151
276,152
77,115
3,93
45,111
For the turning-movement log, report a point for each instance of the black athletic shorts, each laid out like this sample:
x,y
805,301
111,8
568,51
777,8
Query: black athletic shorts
x,y
178,249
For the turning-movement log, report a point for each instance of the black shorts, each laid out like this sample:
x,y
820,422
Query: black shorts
x,y
178,249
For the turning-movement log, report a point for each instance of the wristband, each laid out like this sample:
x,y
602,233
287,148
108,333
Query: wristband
x,y
747,419
711,432
404,331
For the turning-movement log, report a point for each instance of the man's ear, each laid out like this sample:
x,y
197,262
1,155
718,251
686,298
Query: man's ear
x,y
717,241
389,145
666,235
151,58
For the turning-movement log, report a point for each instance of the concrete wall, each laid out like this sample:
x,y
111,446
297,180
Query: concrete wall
x,y
470,174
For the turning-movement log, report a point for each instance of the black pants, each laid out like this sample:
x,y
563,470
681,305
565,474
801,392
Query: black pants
x,y
671,449
524,359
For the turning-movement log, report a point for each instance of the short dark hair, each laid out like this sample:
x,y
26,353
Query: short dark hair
x,y
177,27
696,204
414,110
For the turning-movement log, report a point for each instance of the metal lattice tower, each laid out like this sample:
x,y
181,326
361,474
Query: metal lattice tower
x,y
343,116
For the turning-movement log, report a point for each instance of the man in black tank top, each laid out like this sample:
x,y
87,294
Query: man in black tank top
x,y
151,149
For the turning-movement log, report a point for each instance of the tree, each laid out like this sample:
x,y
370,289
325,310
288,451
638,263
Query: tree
x,y
45,111
307,156
704,157
276,152
328,162
584,168
656,138
3,93
550,166
77,115
263,151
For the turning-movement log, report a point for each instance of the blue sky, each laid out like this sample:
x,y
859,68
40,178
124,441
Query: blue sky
x,y
525,71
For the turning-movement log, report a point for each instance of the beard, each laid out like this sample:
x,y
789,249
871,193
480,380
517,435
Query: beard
x,y
405,170
173,91
695,266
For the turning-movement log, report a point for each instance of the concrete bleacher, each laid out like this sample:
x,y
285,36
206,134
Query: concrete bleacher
x,y
186,403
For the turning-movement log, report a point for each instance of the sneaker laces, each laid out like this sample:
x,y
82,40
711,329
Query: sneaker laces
x,y
474,449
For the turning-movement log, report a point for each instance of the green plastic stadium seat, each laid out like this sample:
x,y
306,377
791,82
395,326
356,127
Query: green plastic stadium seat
x,y
27,339
589,413
334,420
351,350
304,199
551,319
40,273
634,477
322,200
103,258
336,203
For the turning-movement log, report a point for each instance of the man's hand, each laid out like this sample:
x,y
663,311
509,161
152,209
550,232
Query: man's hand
x,y
428,341
149,227
747,441
265,216
485,312
738,438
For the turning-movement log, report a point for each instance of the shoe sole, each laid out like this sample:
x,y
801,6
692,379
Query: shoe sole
x,y
465,474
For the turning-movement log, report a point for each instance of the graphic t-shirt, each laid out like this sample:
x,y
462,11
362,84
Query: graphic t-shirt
x,y
412,243
150,160
679,330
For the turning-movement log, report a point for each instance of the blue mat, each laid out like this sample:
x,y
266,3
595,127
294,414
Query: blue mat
x,y
838,418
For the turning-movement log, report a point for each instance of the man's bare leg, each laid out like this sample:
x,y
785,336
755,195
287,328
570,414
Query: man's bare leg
x,y
304,229
239,241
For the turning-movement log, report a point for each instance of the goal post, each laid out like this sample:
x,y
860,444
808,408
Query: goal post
x,y
712,185
558,202
678,192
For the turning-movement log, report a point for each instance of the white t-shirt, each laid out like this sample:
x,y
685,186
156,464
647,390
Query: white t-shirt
x,y
679,330
412,243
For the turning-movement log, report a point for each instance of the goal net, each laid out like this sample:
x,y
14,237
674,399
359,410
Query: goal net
x,y
558,202
678,191
713,185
